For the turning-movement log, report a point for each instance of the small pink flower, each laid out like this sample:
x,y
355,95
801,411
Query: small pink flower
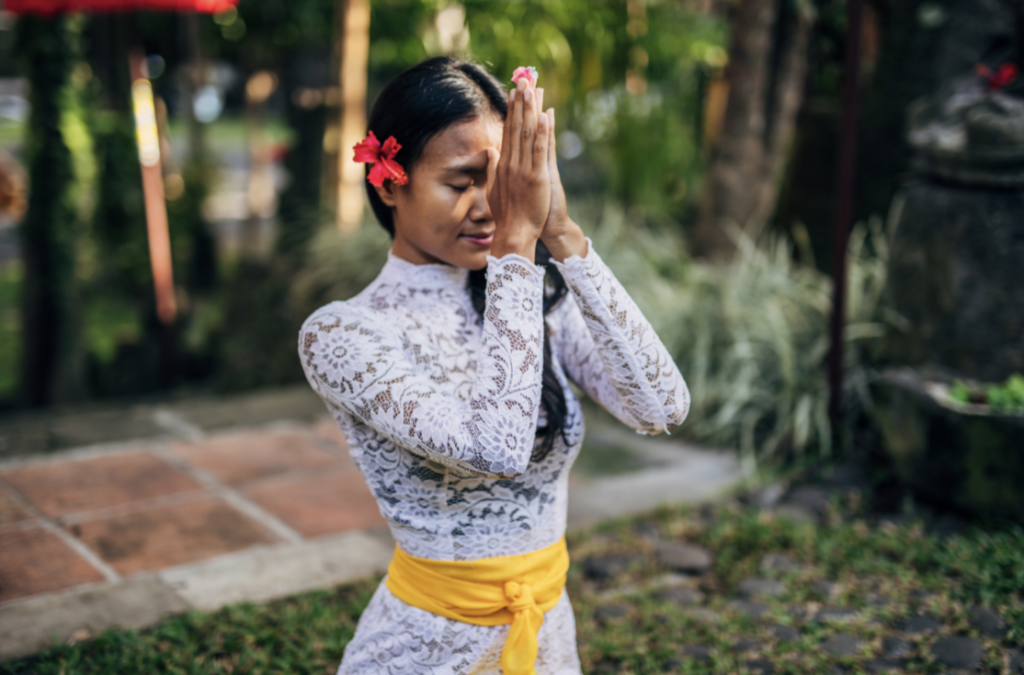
x,y
528,73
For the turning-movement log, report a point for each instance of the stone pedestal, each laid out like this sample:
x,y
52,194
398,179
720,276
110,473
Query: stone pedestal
x,y
960,455
957,277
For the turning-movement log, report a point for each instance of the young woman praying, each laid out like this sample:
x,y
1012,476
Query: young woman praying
x,y
449,375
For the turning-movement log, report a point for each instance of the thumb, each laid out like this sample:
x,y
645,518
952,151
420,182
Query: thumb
x,y
492,170
552,154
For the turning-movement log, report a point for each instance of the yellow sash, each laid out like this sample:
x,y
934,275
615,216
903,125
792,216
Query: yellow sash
x,y
515,589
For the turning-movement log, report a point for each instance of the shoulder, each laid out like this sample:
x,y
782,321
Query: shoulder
x,y
346,323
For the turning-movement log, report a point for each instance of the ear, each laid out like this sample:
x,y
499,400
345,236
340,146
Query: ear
x,y
387,192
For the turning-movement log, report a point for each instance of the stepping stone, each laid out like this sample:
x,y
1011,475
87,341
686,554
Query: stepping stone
x,y
679,596
878,600
779,562
605,668
825,588
703,614
896,648
796,514
1016,659
602,568
647,530
799,612
988,622
745,643
809,496
749,608
760,588
841,644
606,613
618,592
783,633
698,652
759,666
916,624
836,614
922,594
686,558
877,666
958,651
768,496
708,513
836,670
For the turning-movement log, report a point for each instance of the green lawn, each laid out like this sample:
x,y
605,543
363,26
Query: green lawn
x,y
624,625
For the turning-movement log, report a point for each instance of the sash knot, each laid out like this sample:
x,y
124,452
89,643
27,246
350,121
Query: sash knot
x,y
520,596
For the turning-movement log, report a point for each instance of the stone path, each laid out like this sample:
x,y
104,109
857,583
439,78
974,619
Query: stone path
x,y
857,624
198,504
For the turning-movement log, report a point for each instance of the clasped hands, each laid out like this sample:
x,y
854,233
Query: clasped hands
x,y
524,189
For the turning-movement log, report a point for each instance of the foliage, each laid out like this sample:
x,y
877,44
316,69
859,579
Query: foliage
x,y
750,337
1006,397
307,633
10,328
623,76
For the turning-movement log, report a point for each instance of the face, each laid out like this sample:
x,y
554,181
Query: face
x,y
442,215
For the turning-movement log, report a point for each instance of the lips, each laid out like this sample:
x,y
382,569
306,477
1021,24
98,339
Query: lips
x,y
479,239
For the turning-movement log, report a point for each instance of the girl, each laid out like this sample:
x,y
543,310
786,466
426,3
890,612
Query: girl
x,y
449,375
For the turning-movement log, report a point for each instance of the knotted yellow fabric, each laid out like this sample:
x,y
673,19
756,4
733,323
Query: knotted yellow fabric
x,y
513,589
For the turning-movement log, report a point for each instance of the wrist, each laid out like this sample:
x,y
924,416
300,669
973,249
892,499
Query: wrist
x,y
524,246
567,244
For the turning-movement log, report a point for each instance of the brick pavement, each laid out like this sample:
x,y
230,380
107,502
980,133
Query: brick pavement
x,y
72,520
221,503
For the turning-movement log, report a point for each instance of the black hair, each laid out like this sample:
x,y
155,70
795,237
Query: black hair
x,y
414,107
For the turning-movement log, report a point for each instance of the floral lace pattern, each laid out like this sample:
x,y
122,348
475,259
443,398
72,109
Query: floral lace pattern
x,y
440,409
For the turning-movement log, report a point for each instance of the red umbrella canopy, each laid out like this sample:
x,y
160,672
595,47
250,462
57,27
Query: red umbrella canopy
x,y
49,7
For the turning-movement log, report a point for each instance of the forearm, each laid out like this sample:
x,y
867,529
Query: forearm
x,y
572,241
613,352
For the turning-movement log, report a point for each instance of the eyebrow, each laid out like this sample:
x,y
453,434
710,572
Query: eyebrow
x,y
471,166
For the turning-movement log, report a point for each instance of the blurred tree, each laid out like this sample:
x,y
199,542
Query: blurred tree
x,y
50,367
766,77
346,117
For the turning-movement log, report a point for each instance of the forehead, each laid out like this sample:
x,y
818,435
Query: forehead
x,y
463,142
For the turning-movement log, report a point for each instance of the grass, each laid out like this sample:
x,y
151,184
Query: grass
x,y
307,633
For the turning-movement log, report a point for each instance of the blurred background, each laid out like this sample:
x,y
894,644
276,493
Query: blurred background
x,y
818,204
698,139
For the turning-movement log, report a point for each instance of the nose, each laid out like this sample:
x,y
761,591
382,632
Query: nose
x,y
480,209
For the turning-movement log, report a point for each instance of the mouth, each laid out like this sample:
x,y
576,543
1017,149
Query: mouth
x,y
478,239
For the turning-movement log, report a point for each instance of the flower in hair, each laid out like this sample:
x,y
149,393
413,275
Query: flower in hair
x,y
382,157
528,73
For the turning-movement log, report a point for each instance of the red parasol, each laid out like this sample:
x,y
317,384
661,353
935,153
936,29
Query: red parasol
x,y
50,7
145,125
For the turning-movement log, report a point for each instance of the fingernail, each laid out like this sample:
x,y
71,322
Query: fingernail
x,y
520,85
527,96
512,96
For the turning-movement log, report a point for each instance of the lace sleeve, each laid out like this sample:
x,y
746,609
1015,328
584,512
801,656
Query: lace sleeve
x,y
355,361
611,351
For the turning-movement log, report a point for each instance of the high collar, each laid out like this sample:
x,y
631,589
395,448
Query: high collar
x,y
430,276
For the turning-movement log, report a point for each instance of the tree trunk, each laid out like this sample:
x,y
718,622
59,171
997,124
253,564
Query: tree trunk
x,y
767,65
346,124
49,321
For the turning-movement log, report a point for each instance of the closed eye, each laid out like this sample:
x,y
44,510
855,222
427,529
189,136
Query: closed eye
x,y
460,188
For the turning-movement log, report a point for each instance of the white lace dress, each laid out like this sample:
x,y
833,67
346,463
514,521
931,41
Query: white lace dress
x,y
440,409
